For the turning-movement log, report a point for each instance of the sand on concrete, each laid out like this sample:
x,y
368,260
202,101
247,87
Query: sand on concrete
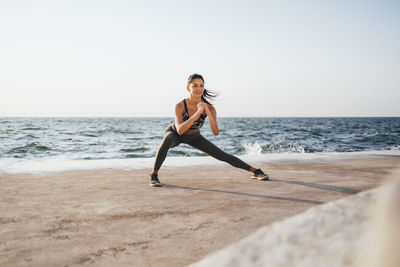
x,y
112,217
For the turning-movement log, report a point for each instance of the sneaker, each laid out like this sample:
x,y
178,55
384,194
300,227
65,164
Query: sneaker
x,y
154,180
260,175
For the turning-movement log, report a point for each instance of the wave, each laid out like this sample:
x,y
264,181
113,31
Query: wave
x,y
282,148
32,129
31,147
88,134
28,136
252,148
90,138
257,149
138,149
7,131
178,153
59,164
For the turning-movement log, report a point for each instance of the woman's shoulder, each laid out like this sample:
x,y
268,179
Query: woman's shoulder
x,y
210,106
179,105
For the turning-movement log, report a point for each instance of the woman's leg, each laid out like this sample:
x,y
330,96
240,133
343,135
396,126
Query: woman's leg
x,y
206,146
171,139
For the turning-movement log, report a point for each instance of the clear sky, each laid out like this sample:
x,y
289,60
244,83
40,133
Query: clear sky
x,y
265,58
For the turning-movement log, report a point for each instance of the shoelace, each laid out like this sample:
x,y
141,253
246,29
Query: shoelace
x,y
258,171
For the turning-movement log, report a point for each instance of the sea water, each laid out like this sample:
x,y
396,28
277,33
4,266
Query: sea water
x,y
58,144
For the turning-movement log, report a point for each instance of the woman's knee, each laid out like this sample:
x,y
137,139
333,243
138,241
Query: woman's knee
x,y
170,139
220,155
227,157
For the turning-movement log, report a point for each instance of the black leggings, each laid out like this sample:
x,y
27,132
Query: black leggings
x,y
173,139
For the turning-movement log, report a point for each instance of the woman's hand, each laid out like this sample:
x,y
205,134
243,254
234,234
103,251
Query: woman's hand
x,y
207,109
201,106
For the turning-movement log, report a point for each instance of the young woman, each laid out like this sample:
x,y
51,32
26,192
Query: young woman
x,y
190,115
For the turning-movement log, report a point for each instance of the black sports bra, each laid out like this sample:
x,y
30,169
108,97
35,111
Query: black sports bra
x,y
197,124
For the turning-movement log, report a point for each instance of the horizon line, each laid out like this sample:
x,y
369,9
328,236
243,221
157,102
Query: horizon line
x,y
166,117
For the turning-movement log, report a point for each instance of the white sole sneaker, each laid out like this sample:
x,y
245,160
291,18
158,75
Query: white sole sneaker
x,y
260,178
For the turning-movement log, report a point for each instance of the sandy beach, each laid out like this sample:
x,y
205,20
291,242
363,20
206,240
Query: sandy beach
x,y
113,217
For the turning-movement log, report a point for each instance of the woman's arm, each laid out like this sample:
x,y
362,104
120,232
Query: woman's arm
x,y
212,117
183,126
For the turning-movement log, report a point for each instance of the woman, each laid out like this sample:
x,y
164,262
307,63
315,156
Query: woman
x,y
190,115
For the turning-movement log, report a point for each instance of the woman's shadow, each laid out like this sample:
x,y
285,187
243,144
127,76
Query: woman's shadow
x,y
333,188
309,201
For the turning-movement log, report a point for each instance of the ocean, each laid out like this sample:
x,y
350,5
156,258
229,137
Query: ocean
x,y
55,144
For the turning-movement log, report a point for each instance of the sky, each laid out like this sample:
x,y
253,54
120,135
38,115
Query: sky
x,y
265,58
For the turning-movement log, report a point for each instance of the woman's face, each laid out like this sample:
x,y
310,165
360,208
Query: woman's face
x,y
196,87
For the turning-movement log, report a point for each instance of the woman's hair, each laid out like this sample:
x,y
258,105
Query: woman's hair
x,y
207,95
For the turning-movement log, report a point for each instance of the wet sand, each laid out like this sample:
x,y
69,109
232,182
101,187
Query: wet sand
x,y
113,217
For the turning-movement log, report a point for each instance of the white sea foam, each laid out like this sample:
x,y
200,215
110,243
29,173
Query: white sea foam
x,y
252,148
59,164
